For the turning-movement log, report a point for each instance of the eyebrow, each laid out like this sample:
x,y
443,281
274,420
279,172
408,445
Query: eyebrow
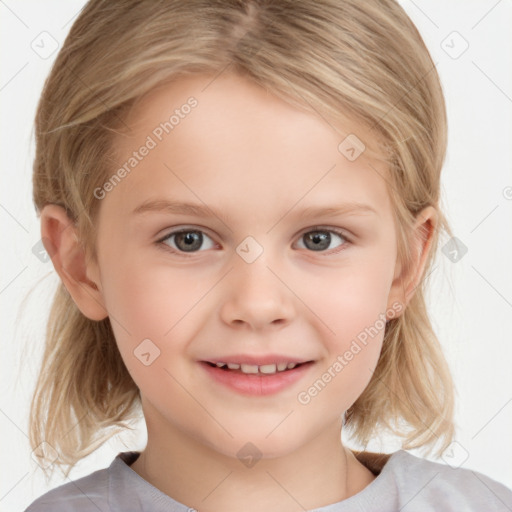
x,y
201,210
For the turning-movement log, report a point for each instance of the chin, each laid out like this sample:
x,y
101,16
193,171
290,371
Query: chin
x,y
258,444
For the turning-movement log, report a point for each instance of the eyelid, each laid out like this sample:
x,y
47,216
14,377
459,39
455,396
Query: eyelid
x,y
339,231
186,228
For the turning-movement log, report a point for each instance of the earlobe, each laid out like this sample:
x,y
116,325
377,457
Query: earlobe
x,y
407,280
60,239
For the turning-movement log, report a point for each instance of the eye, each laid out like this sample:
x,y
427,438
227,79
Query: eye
x,y
318,239
189,240
186,240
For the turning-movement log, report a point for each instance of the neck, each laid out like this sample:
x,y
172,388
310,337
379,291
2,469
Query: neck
x,y
318,474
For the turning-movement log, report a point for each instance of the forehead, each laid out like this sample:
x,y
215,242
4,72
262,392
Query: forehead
x,y
239,143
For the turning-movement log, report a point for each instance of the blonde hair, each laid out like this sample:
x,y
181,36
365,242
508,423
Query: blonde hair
x,y
348,61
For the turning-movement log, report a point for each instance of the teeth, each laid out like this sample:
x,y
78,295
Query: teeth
x,y
267,369
249,368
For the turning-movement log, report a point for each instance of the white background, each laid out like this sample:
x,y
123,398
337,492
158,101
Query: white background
x,y
470,301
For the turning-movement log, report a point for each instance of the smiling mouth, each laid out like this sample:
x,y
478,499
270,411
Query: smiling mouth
x,y
252,369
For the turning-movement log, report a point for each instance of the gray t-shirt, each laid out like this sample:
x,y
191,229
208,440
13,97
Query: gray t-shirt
x,y
405,483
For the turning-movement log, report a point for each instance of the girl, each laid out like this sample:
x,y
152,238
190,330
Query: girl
x,y
241,199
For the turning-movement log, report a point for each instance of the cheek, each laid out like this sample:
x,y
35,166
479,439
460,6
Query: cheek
x,y
349,299
350,305
152,319
150,303
150,299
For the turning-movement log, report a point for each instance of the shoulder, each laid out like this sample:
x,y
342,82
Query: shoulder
x,y
116,488
89,493
427,485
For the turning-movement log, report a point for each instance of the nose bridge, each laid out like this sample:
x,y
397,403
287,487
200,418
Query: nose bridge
x,y
256,294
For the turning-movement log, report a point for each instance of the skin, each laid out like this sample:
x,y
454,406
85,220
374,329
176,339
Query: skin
x,y
259,161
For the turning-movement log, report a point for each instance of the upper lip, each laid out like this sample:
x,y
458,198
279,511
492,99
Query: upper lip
x,y
258,360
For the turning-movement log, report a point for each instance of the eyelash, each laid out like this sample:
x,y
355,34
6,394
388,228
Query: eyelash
x,y
338,232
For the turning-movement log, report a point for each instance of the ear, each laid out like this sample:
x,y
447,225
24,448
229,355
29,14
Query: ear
x,y
405,279
60,239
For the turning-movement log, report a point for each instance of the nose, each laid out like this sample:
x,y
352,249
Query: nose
x,y
256,297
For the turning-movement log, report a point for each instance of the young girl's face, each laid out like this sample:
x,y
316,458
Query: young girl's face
x,y
260,278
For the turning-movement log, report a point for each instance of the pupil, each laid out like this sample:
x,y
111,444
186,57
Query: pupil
x,y
320,240
191,240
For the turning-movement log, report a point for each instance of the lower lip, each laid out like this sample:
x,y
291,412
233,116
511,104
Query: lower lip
x,y
257,385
